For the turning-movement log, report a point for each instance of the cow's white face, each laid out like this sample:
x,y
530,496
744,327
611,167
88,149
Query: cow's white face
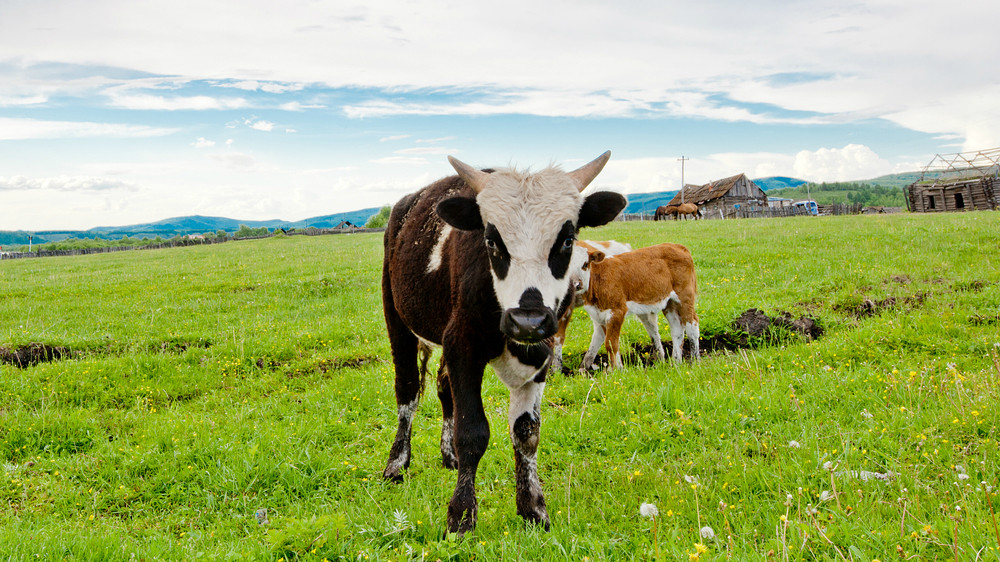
x,y
529,224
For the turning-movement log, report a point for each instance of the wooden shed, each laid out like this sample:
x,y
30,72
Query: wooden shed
x,y
724,197
965,181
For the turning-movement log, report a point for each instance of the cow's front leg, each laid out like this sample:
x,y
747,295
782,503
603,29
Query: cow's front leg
x,y
471,437
525,421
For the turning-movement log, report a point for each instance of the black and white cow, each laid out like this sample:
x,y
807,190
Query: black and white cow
x,y
478,264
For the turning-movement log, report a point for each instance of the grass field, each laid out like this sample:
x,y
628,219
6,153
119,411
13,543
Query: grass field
x,y
235,402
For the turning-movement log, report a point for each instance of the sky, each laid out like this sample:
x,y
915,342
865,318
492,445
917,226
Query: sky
x,y
119,112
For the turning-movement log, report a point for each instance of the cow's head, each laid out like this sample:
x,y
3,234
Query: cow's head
x,y
586,257
529,224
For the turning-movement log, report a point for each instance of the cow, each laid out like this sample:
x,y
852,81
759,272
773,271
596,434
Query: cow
x,y
479,265
687,209
641,282
610,248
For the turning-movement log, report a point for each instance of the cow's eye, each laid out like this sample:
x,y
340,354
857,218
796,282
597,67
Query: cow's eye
x,y
568,244
491,245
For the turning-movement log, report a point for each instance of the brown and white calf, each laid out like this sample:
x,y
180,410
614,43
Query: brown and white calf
x,y
479,264
583,247
641,282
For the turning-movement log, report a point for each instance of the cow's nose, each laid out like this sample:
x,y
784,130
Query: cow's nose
x,y
528,325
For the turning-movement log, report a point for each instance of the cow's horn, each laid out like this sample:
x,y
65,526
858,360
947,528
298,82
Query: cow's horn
x,y
586,173
475,178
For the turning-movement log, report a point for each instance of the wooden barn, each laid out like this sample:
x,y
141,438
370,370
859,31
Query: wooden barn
x,y
966,181
725,197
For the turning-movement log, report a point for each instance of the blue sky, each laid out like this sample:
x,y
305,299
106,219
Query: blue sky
x,y
115,112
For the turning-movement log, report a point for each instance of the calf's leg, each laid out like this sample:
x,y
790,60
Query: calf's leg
x,y
612,339
676,330
649,322
595,344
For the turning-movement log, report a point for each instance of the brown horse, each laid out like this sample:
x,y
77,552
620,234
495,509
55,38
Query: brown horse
x,y
687,209
665,211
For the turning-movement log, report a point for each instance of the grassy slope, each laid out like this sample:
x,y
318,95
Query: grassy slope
x,y
211,382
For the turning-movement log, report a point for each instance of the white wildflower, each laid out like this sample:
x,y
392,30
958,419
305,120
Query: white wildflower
x,y
963,476
707,533
648,510
825,495
828,465
794,444
690,479
866,414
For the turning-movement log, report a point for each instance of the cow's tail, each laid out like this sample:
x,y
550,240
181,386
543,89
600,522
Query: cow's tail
x,y
424,351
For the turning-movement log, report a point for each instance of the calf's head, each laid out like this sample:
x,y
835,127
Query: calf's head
x,y
529,223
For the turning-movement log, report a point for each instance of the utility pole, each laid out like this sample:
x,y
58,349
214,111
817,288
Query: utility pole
x,y
682,160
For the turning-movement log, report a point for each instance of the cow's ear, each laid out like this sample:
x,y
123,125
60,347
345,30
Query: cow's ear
x,y
595,257
600,208
461,213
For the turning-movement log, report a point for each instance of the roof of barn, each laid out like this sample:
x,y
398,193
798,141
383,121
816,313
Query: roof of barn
x,y
710,191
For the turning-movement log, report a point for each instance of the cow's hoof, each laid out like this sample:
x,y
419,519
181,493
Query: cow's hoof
x,y
449,462
392,474
536,515
461,523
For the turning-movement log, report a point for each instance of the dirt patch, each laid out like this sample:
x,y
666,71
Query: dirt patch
x,y
180,346
974,286
869,307
32,354
900,279
754,328
987,320
344,363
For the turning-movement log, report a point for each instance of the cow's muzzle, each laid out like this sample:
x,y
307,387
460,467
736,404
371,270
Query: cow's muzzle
x,y
528,325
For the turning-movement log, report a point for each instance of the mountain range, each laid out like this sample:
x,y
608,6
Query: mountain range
x,y
198,224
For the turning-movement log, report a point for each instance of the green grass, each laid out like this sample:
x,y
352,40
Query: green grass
x,y
207,383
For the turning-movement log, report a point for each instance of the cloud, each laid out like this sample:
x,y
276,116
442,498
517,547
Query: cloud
x,y
179,103
202,142
430,150
853,162
14,101
235,160
24,129
256,85
398,160
64,183
299,106
393,138
261,125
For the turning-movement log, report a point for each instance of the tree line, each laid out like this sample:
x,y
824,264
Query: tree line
x,y
825,193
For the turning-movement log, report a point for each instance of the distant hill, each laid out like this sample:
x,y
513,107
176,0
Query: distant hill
x,y
647,202
778,182
878,189
181,226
